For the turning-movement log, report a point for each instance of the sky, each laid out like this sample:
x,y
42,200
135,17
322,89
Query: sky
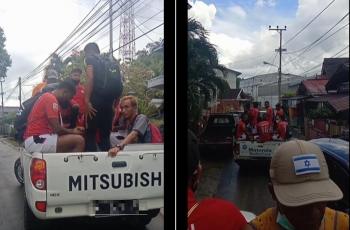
x,y
34,30
240,31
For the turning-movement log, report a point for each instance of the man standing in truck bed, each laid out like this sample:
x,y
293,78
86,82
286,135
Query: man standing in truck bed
x,y
103,86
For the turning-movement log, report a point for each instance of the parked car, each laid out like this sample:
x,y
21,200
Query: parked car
x,y
336,152
217,136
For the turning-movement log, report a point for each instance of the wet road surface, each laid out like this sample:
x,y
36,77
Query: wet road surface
x,y
246,188
12,198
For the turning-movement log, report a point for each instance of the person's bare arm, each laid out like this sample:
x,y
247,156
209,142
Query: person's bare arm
x,y
60,130
131,138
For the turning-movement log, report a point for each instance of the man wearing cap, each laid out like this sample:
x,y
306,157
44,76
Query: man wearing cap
x,y
50,82
210,213
301,187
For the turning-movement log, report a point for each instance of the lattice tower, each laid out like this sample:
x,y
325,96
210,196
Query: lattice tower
x,y
127,32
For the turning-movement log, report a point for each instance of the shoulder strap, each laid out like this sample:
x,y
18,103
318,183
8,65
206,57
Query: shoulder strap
x,y
192,209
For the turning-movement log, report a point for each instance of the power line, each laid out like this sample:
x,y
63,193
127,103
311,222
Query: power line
x,y
309,23
309,47
95,31
36,69
41,67
142,23
119,25
156,27
322,62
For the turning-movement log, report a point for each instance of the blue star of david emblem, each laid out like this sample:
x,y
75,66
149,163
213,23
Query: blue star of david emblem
x,y
307,163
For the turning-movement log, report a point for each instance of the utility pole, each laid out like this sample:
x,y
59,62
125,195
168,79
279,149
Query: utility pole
x,y
280,65
20,92
111,28
2,79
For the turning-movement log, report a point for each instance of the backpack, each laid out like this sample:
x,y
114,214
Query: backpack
x,y
156,136
20,123
152,134
109,83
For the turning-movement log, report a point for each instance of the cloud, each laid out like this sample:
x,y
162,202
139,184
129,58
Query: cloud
x,y
34,30
239,11
230,48
267,3
204,13
243,44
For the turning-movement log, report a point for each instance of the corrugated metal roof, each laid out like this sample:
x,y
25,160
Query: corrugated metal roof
x,y
340,76
338,102
330,65
315,86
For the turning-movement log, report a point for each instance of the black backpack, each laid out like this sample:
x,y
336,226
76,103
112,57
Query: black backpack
x,y
20,124
109,84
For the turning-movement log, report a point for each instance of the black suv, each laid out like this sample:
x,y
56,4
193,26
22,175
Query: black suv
x,y
217,137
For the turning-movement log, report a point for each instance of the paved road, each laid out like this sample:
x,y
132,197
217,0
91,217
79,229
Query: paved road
x,y
11,200
247,189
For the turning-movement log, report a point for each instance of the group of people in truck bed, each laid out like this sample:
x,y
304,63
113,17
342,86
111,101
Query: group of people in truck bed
x,y
271,126
71,117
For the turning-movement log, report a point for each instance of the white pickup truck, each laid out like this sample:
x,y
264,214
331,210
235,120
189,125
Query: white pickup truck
x,y
62,185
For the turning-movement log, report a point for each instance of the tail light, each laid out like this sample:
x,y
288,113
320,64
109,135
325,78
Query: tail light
x,y
38,173
40,206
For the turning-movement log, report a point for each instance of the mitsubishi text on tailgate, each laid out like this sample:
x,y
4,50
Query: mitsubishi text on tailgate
x,y
61,185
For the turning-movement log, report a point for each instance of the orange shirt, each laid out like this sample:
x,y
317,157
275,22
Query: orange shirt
x,y
241,129
45,107
253,116
269,115
264,131
282,129
37,89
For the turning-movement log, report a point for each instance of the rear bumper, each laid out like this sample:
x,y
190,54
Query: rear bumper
x,y
89,209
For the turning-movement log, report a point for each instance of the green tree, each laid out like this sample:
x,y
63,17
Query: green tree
x,y
146,66
203,83
75,60
5,59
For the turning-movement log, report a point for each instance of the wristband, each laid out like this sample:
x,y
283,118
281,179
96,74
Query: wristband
x,y
121,146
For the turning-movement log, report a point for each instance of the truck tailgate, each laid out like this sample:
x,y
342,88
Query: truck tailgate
x,y
135,173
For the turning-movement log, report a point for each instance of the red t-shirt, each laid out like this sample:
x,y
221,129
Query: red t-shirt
x,y
38,120
67,112
253,115
213,213
282,129
240,129
79,97
269,115
264,131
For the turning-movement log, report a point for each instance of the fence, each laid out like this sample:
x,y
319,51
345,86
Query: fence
x,y
7,130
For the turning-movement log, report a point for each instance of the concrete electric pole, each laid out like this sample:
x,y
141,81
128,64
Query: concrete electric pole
x,y
2,79
280,64
111,28
20,92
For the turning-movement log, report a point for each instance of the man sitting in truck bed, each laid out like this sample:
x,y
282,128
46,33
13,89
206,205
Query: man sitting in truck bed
x,y
241,129
135,124
44,132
